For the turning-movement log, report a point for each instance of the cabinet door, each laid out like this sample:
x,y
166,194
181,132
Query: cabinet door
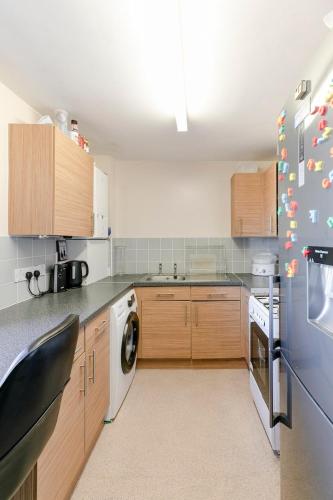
x,y
98,389
61,461
245,324
247,205
73,188
216,330
270,199
166,329
101,195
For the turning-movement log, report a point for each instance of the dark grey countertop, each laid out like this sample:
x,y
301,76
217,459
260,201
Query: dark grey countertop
x,y
23,323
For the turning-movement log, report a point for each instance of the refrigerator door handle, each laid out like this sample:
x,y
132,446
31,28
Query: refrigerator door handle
x,y
274,354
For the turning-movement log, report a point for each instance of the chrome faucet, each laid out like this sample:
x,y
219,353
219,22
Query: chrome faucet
x,y
175,271
160,268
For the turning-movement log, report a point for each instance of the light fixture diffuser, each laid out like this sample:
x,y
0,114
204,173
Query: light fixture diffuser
x,y
328,20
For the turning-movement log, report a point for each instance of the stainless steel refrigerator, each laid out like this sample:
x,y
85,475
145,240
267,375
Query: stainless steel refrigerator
x,y
305,208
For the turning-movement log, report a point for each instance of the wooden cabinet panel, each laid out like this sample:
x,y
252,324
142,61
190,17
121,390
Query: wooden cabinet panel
x,y
50,183
80,344
245,324
216,330
62,459
31,183
215,293
98,381
166,329
165,293
270,201
73,189
247,205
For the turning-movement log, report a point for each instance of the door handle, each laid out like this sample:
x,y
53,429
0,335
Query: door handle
x,y
185,314
93,356
101,328
221,294
84,379
161,295
196,315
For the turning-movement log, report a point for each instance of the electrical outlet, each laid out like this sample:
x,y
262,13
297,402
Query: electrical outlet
x,y
20,273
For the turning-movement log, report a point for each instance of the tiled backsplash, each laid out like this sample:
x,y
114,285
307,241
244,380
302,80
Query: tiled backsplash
x,y
23,252
143,255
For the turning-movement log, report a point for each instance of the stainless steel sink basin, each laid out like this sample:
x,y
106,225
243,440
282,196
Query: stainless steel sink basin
x,y
165,277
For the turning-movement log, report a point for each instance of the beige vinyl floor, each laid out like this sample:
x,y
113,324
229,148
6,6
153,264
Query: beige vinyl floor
x,y
183,435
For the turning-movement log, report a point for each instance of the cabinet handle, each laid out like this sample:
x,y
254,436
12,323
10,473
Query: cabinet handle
x,y
185,314
161,295
101,328
221,294
270,224
93,356
84,379
196,315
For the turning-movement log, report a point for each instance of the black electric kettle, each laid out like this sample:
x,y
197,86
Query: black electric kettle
x,y
74,273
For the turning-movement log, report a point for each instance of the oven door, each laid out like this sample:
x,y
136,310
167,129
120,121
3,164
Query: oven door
x,y
259,357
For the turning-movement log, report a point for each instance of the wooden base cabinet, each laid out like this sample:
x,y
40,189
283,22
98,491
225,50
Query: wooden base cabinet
x,y
82,411
216,330
245,326
62,459
166,329
98,392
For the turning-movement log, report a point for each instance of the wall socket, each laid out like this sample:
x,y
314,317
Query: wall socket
x,y
20,273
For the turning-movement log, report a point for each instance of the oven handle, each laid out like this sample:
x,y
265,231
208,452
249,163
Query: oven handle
x,y
274,354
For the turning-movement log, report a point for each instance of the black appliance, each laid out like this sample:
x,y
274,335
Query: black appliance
x,y
62,250
58,280
74,273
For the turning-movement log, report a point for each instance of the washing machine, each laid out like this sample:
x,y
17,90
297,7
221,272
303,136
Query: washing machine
x,y
124,338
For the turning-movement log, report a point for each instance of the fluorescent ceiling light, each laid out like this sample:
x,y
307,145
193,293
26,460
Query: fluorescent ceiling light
x,y
328,20
180,95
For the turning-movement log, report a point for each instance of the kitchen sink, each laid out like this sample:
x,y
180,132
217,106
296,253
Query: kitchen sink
x,y
165,277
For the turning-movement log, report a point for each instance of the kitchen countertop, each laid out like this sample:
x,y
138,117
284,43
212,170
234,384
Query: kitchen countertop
x,y
23,323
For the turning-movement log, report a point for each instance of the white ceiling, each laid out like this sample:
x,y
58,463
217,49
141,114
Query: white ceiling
x,y
107,62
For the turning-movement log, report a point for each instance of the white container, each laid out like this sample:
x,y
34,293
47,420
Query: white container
x,y
263,264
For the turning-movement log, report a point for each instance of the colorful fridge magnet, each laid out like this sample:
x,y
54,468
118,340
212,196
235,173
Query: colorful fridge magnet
x,y
315,110
313,216
284,198
289,233
280,211
326,183
311,164
293,237
327,133
321,140
290,273
306,252
330,175
288,245
281,177
291,214
290,192
322,125
294,266
322,110
329,222
287,207
282,137
292,176
331,152
293,224
319,165
284,153
294,205
314,141
285,167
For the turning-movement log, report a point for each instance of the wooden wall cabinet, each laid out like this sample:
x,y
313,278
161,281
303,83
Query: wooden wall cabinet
x,y
253,204
50,183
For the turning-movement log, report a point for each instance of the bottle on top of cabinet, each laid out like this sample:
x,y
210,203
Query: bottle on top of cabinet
x,y
74,131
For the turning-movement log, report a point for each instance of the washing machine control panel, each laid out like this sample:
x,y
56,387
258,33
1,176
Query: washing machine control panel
x,y
131,301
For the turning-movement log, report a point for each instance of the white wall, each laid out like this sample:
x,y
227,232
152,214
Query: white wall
x,y
13,110
172,199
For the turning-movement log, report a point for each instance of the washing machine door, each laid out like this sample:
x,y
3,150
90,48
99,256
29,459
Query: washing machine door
x,y
130,341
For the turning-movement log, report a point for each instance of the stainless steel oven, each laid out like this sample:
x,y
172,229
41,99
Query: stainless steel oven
x,y
259,357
